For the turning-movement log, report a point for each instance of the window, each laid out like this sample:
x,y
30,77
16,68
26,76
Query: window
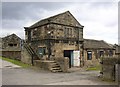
x,y
68,32
42,51
110,53
80,33
56,41
101,53
71,42
89,55
25,32
65,41
11,45
15,44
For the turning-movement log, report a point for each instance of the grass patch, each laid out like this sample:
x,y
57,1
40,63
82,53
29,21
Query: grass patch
x,y
16,62
94,68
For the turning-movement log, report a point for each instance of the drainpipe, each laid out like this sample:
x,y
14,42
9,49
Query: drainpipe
x,y
32,60
79,44
82,54
49,45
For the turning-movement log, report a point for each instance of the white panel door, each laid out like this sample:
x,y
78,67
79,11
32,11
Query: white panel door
x,y
76,58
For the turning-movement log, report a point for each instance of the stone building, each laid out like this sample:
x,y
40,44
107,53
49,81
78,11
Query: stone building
x,y
57,36
11,46
94,49
117,49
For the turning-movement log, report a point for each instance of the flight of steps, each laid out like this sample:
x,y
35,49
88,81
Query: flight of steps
x,y
54,67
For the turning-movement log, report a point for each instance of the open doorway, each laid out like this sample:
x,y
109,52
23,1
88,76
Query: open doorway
x,y
69,54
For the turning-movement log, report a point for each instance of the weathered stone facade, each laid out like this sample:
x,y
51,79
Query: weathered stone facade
x,y
53,36
11,47
60,36
95,49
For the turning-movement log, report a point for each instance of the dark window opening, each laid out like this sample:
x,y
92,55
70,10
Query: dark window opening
x,y
56,41
65,41
25,32
89,55
11,45
61,29
15,44
101,53
110,53
76,42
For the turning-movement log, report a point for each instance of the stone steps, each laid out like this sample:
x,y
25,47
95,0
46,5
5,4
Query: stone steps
x,y
54,67
48,65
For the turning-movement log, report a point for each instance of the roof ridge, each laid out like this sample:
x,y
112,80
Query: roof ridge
x,y
94,39
50,17
11,35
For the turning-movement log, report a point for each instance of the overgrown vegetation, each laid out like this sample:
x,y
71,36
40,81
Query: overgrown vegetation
x,y
16,62
91,68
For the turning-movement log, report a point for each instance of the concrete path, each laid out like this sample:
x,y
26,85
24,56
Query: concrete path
x,y
5,64
16,75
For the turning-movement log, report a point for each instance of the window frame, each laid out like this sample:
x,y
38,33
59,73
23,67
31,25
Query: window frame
x,y
89,55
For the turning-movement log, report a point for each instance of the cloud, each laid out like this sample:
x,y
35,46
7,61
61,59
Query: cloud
x,y
99,18
23,10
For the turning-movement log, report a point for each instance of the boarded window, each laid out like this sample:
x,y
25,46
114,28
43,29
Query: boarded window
x,y
89,55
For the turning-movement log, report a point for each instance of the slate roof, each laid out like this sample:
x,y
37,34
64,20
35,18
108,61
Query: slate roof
x,y
96,44
12,35
52,20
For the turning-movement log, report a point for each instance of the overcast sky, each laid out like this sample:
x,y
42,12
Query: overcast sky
x,y
100,19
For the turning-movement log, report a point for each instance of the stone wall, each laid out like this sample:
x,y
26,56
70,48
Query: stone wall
x,y
108,67
58,49
43,64
63,62
117,73
25,56
12,54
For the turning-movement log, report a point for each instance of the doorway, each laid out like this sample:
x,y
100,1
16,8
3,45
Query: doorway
x,y
69,54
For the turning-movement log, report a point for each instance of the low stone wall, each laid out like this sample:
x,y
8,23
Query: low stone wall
x,y
108,67
63,62
12,54
44,64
